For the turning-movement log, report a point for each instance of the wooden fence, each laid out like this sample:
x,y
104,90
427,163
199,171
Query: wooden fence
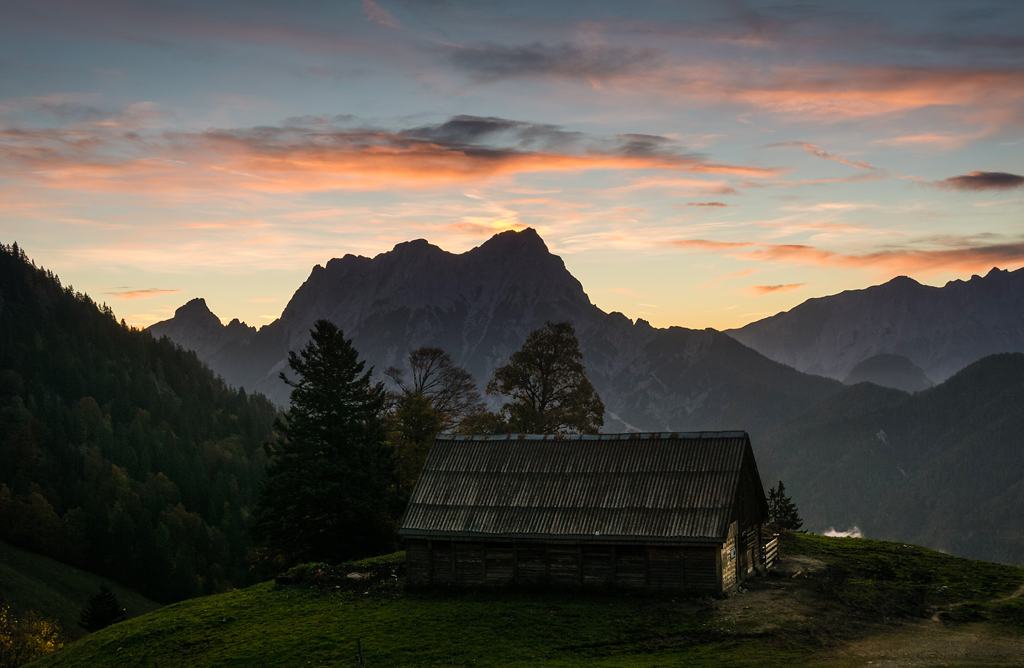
x,y
771,552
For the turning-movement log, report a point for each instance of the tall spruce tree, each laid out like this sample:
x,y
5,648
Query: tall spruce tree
x,y
104,609
781,509
329,492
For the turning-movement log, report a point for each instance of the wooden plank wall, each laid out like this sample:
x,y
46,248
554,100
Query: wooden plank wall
x,y
417,561
730,558
670,569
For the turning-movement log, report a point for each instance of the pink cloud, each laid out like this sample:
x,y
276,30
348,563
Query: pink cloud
x,y
297,159
814,149
959,255
139,294
716,281
758,290
377,14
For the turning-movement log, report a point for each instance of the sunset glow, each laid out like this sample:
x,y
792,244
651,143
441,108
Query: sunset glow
x,y
698,164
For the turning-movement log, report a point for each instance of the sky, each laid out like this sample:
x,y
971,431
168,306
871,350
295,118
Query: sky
x,y
700,164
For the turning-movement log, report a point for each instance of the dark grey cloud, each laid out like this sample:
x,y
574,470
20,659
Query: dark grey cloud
x,y
491,62
72,112
644,145
464,132
976,181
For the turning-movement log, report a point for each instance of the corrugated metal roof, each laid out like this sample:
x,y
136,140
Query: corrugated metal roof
x,y
665,486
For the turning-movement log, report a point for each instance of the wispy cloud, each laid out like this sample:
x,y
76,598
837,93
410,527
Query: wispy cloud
x,y
309,158
758,290
592,63
149,293
377,14
814,149
977,181
950,255
715,282
707,204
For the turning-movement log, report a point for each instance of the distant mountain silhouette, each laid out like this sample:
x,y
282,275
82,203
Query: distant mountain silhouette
x,y
479,306
195,327
941,330
887,370
942,468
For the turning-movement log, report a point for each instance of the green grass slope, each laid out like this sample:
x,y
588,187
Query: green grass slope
x,y
828,594
56,590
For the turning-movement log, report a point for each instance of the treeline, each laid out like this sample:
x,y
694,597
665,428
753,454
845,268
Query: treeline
x,y
120,453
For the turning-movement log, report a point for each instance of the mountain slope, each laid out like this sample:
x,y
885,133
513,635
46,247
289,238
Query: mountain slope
x,y
479,306
940,330
56,590
119,453
888,370
943,467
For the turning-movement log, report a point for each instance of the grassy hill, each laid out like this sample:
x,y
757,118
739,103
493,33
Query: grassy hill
x,y
832,601
56,590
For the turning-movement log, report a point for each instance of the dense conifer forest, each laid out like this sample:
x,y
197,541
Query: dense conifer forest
x,y
120,453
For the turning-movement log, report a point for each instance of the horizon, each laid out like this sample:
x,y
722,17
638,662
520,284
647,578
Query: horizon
x,y
258,326
698,165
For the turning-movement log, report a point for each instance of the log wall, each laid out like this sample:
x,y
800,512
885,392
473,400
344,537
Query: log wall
x,y
657,568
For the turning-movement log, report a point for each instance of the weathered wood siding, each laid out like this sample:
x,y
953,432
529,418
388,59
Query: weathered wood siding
x,y
658,568
729,559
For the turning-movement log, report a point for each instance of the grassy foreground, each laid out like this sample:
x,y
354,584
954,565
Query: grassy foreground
x,y
828,592
56,590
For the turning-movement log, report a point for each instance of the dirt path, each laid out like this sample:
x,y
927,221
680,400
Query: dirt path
x,y
923,645
937,616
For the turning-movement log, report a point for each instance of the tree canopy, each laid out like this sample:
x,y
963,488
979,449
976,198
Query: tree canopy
x,y
437,397
329,493
548,388
449,388
121,453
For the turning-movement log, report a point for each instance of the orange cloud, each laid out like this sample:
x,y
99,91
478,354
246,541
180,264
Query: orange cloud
x,y
759,290
716,281
963,256
707,204
847,91
296,159
139,294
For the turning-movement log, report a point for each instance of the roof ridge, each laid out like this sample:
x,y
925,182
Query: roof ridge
x,y
593,437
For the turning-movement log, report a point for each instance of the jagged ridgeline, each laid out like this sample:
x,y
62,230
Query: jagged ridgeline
x,y
120,453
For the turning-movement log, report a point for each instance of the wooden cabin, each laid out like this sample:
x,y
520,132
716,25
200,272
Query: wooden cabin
x,y
669,512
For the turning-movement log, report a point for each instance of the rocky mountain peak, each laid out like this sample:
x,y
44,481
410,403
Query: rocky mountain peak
x,y
512,241
195,312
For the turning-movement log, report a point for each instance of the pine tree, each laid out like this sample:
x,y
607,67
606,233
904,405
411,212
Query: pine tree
x,y
781,509
329,492
104,609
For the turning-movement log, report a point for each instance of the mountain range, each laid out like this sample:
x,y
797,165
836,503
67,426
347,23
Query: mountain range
x,y
941,330
479,306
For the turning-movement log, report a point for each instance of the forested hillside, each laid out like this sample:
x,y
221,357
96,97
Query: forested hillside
x,y
120,453
943,467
